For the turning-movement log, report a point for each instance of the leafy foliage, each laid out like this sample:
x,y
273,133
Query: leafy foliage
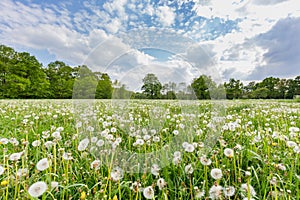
x,y
22,76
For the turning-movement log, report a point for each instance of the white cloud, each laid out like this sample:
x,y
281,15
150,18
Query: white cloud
x,y
97,35
113,26
282,47
237,52
175,70
268,2
223,9
166,15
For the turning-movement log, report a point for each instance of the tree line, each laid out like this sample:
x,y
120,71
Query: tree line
x,y
22,76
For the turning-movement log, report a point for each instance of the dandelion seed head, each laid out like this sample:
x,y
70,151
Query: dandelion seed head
x,y
189,169
148,192
205,161
116,174
245,189
37,189
155,170
228,152
161,183
83,144
1,170
215,192
216,173
229,191
15,156
43,164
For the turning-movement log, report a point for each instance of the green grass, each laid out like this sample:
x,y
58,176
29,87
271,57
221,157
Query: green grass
x,y
141,131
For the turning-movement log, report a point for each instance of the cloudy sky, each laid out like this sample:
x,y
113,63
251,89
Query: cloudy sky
x,y
177,40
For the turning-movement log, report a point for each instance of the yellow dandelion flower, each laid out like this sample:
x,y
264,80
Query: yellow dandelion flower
x,y
82,195
4,183
115,197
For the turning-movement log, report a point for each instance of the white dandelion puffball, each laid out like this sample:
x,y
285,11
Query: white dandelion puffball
x,y
54,184
216,173
48,144
245,189
67,156
116,174
100,143
229,191
36,143
37,189
15,156
148,192
1,170
95,164
215,192
291,143
161,183
83,144
228,152
155,169
176,160
43,164
177,154
205,161
22,172
189,169
4,141
189,148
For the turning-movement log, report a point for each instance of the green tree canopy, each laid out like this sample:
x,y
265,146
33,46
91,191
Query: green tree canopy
x,y
61,78
233,89
202,86
152,86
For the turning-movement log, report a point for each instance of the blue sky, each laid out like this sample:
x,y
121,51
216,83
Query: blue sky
x,y
177,40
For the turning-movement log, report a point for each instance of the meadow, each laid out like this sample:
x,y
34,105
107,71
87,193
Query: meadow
x,y
149,149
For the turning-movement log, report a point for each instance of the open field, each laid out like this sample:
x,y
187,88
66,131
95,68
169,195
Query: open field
x,y
142,149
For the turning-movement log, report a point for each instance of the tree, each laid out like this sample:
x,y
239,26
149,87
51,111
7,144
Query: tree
x,y
61,78
170,95
120,91
21,75
261,93
151,87
202,86
297,85
85,84
281,89
233,89
248,90
104,88
270,84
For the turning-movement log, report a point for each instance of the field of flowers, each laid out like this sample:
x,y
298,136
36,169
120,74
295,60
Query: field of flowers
x,y
142,149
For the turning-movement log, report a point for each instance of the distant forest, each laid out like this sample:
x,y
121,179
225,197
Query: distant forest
x,y
22,76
